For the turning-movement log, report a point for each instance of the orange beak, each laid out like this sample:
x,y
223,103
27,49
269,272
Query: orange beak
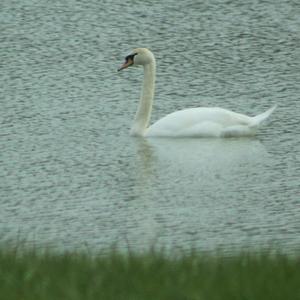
x,y
126,64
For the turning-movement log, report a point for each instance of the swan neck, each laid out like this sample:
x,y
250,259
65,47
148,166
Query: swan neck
x,y
143,113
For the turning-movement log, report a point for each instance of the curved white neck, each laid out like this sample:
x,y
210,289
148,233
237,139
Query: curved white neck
x,y
143,113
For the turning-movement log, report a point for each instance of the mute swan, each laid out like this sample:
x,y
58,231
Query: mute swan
x,y
191,122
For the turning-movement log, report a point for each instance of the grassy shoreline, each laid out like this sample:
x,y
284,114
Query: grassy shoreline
x,y
153,275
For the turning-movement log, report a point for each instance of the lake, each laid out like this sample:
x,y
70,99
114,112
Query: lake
x,y
71,176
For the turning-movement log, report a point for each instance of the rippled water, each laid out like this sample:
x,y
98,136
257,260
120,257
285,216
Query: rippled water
x,y
70,174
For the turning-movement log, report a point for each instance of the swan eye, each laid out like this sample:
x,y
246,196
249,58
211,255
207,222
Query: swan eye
x,y
129,61
130,57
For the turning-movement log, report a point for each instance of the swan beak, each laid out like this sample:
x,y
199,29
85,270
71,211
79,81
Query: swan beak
x,y
126,64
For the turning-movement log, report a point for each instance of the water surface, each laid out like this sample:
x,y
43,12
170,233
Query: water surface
x,y
71,176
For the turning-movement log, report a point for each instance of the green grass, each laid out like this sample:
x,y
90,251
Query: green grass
x,y
149,276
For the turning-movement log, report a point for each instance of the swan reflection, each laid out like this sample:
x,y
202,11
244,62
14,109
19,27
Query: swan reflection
x,y
185,189
204,157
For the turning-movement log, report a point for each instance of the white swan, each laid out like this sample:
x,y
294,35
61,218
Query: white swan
x,y
191,122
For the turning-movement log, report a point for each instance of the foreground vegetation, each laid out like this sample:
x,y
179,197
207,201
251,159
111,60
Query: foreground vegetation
x,y
148,276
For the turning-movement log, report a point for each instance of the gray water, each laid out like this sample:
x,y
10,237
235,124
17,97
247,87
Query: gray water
x,y
71,177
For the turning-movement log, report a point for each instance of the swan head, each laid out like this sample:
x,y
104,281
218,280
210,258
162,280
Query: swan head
x,y
138,56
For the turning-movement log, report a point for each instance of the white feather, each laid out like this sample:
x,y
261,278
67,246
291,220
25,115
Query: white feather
x,y
192,122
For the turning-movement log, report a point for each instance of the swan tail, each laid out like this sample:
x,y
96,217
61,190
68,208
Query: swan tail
x,y
259,119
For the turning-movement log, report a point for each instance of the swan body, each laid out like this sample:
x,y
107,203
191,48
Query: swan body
x,y
191,122
206,122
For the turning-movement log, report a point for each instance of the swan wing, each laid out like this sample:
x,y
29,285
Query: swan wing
x,y
202,122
